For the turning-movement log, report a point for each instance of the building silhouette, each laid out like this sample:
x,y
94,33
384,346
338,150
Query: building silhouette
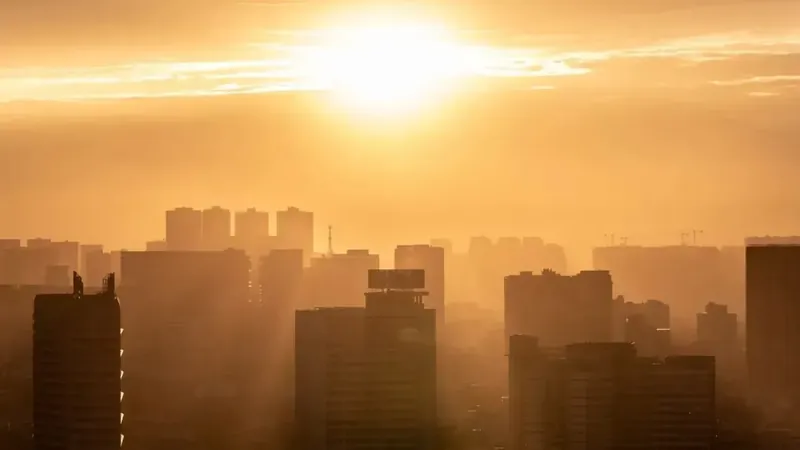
x,y
187,349
559,309
366,376
432,260
184,229
338,279
77,369
216,228
602,396
296,230
97,264
251,228
16,363
772,317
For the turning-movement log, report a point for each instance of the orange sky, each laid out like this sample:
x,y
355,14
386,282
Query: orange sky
x,y
564,121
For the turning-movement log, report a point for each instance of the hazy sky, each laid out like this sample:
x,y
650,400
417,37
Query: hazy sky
x,y
568,119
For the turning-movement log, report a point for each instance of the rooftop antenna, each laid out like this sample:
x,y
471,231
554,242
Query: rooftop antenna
x,y
695,233
330,240
684,237
623,241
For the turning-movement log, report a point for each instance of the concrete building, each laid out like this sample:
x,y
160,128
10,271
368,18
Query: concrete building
x,y
296,230
77,370
772,317
432,261
558,309
184,229
366,376
216,228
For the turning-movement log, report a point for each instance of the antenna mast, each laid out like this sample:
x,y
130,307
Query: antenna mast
x,y
330,240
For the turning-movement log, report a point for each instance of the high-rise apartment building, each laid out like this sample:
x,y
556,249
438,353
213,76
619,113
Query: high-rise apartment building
x,y
366,376
559,309
216,228
773,313
296,230
431,260
184,229
602,396
77,370
251,227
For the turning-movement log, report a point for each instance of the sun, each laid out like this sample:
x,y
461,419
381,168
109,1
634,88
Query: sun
x,y
387,68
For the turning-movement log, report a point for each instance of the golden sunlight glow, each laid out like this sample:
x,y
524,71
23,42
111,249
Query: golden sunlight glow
x,y
385,69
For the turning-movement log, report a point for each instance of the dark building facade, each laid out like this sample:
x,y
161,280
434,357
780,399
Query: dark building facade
x,y
773,313
77,370
602,396
366,376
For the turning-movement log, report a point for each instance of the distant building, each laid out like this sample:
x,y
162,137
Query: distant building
x,y
773,313
184,229
10,243
431,260
338,279
718,330
77,352
216,228
558,309
649,340
156,246
366,376
251,228
280,279
296,230
57,276
85,250
601,395
97,264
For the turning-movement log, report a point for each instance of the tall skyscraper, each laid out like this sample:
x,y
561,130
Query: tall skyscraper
x,y
296,230
77,369
216,228
559,309
366,377
184,229
431,260
773,314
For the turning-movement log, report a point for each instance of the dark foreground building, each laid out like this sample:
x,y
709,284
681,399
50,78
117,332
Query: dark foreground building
x,y
77,343
366,377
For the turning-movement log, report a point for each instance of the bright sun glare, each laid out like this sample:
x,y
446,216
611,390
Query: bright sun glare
x,y
385,69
